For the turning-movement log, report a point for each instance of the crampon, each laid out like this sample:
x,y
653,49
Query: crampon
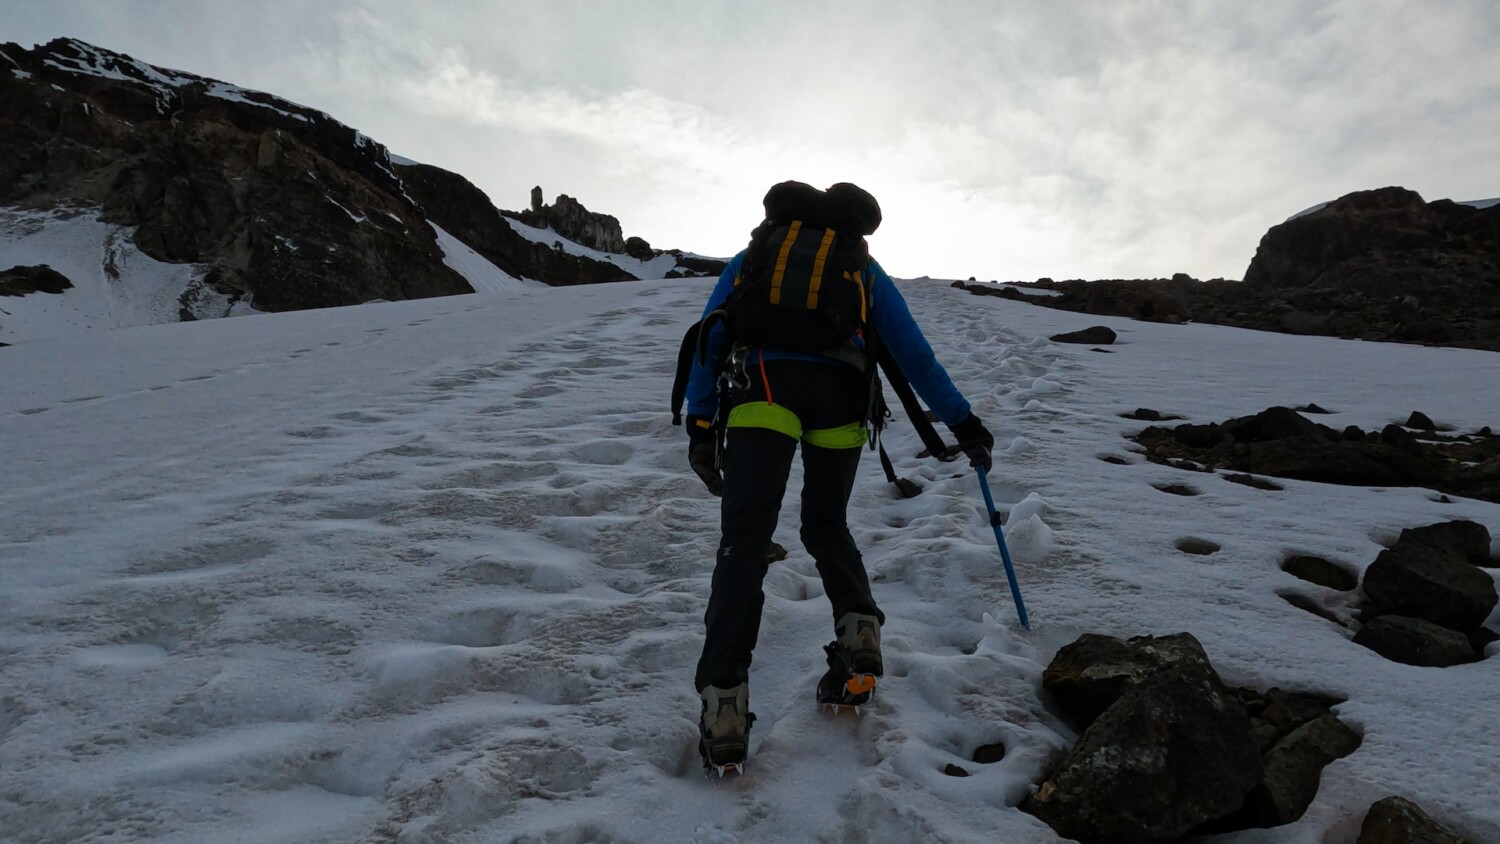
x,y
724,729
842,686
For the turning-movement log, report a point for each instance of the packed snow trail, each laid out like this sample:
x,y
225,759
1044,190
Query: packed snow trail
x,y
435,571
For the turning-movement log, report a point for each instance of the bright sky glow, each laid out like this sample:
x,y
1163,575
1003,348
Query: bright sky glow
x,y
1004,140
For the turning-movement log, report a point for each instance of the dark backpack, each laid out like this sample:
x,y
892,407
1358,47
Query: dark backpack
x,y
802,287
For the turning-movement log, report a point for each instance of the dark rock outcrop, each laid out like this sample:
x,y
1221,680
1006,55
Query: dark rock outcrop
x,y
569,218
284,203
1420,421
1462,538
1424,582
1387,242
281,203
1281,442
23,281
1415,641
1252,481
697,264
1169,750
1099,335
1320,571
1395,820
1374,265
464,211
1172,754
1292,770
638,248
1146,414
1426,599
1088,676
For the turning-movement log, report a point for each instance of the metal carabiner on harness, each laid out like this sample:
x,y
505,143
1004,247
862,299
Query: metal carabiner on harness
x,y
736,374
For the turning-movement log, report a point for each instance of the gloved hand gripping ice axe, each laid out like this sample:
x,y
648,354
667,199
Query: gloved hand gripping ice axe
x,y
1010,570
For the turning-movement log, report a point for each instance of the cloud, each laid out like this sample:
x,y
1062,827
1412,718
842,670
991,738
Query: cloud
x,y
1005,140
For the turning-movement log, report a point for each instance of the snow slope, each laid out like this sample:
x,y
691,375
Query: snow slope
x,y
481,274
115,284
118,286
654,268
435,571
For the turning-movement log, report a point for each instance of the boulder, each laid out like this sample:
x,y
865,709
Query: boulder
x,y
1173,753
1397,436
1088,676
1462,538
1276,423
1420,421
1277,713
23,281
1253,481
639,249
1420,581
1415,641
1293,768
1344,463
1099,335
1398,821
1198,436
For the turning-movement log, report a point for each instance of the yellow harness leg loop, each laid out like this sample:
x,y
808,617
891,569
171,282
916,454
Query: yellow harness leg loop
x,y
845,436
762,415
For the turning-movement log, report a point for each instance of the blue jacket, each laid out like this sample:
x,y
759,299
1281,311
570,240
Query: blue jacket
x,y
893,323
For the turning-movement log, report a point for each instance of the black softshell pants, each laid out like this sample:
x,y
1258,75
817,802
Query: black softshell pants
x,y
757,462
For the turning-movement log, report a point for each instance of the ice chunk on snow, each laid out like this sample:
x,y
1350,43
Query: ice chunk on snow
x,y
1029,539
1031,505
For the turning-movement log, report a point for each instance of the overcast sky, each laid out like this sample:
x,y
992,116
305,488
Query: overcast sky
x,y
1004,140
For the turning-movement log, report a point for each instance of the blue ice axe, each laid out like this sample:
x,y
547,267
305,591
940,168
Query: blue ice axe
x,y
1010,570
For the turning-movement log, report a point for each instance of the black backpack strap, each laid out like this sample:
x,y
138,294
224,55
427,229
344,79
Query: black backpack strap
x,y
684,370
705,328
914,410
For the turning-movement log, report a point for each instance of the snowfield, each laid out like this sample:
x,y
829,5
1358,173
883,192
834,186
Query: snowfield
x,y
115,285
435,571
655,267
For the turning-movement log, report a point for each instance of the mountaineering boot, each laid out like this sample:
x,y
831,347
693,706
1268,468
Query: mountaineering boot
x,y
724,728
853,662
859,635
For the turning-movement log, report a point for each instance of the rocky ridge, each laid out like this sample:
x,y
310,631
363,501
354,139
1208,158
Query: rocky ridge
x,y
1372,265
1281,442
282,205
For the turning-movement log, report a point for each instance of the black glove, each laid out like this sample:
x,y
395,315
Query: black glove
x,y
703,454
975,440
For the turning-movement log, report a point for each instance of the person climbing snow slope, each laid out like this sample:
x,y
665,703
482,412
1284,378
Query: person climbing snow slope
x,y
785,358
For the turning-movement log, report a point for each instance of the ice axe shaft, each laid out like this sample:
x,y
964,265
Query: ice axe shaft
x,y
1010,570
